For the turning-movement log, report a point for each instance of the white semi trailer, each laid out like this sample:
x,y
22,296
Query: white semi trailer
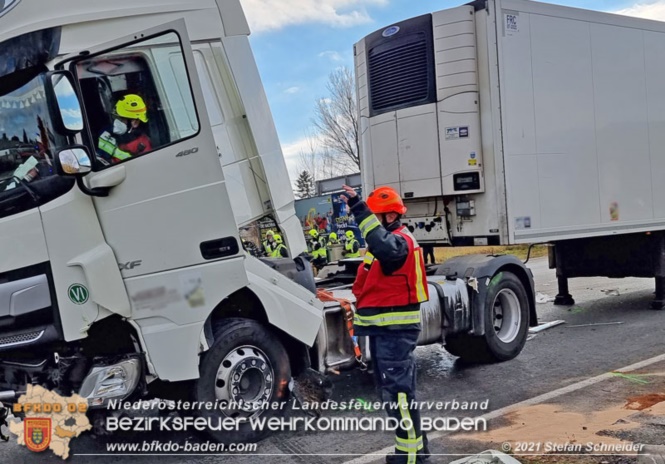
x,y
124,277
513,121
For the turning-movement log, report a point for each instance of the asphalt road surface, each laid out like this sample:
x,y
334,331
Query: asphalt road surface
x,y
553,359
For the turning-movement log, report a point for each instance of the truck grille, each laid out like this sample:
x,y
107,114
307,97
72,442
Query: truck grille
x,y
401,75
20,339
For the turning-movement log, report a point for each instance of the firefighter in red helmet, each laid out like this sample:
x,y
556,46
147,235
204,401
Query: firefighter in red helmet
x,y
389,287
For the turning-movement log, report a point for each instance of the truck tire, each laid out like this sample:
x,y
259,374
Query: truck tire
x,y
246,362
506,315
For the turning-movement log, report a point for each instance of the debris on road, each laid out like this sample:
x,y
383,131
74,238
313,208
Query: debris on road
x,y
545,326
611,292
635,378
542,298
640,403
488,457
595,324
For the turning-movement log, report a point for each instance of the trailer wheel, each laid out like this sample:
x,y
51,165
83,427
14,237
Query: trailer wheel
x,y
246,366
506,324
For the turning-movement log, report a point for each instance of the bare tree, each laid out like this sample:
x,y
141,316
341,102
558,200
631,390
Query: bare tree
x,y
336,119
321,163
310,160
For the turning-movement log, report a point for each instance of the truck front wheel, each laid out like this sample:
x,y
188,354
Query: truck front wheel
x,y
245,374
506,313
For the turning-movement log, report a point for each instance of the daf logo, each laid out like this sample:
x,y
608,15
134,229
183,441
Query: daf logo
x,y
128,266
392,30
6,5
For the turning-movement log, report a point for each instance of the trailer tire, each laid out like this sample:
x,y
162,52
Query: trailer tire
x,y
506,315
246,362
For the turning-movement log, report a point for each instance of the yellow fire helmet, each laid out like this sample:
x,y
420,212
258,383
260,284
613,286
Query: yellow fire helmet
x,y
350,234
278,238
332,236
313,233
132,106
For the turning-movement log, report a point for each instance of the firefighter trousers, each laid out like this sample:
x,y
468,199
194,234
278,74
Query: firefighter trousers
x,y
395,376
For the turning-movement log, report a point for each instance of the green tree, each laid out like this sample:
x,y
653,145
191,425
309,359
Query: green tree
x,y
304,185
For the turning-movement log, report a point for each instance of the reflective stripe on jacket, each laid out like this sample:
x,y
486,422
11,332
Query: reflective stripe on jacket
x,y
277,252
318,250
108,145
349,249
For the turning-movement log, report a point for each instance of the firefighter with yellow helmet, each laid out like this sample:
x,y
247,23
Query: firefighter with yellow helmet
x,y
317,246
128,136
352,246
279,249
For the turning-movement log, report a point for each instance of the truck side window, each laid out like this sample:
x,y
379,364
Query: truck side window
x,y
138,99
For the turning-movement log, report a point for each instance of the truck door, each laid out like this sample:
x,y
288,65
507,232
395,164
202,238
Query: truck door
x,y
147,125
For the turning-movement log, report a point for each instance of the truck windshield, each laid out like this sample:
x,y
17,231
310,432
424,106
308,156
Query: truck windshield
x,y
27,142
26,136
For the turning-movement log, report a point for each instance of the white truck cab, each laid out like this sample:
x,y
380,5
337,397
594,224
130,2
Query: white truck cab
x,y
136,262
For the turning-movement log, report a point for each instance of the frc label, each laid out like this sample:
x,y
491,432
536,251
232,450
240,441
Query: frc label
x,y
511,23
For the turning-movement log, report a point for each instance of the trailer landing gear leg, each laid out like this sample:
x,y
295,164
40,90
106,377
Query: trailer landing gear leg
x,y
564,298
659,301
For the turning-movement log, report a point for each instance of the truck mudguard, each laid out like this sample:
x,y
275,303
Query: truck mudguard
x,y
477,271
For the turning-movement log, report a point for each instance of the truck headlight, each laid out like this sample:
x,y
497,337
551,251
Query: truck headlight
x,y
116,381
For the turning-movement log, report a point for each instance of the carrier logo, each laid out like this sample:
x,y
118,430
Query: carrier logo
x,y
392,30
6,5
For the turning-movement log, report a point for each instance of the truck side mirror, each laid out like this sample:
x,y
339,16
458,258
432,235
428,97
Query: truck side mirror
x,y
73,161
64,104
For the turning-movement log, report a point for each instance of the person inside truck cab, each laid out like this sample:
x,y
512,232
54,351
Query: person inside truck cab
x,y
127,137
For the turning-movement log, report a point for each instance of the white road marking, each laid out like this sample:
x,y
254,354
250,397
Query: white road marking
x,y
380,454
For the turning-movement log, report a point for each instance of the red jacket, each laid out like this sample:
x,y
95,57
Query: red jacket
x,y
408,285
137,146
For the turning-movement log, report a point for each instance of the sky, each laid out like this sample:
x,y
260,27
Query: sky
x,y
298,43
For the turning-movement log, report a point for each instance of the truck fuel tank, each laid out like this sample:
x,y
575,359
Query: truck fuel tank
x,y
448,309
